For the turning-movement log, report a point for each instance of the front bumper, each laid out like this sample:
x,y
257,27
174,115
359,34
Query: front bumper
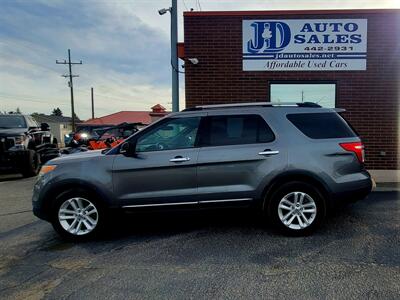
x,y
39,207
13,160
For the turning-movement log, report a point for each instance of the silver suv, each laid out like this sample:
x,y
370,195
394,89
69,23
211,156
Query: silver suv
x,y
294,162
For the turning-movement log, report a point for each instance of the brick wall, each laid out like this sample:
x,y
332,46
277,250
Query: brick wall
x,y
370,97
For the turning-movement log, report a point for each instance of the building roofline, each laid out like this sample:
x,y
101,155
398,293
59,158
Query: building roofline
x,y
288,12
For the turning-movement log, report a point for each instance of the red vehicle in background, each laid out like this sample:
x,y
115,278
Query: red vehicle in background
x,y
112,136
100,138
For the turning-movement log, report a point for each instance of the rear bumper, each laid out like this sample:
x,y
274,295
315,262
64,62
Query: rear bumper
x,y
353,192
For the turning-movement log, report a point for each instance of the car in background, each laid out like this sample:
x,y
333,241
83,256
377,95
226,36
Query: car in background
x,y
82,135
24,145
100,138
293,162
112,136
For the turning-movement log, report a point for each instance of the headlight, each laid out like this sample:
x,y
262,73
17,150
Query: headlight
x,y
19,140
46,169
84,135
67,135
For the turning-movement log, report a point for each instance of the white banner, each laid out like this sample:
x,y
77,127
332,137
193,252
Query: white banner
x,y
305,45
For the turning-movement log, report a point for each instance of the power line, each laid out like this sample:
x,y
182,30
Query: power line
x,y
27,99
113,97
69,63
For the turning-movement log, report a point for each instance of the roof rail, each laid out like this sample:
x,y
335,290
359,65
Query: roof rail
x,y
249,104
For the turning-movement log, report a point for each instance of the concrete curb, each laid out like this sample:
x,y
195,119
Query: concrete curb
x,y
387,187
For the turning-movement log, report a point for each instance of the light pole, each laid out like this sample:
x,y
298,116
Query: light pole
x,y
173,10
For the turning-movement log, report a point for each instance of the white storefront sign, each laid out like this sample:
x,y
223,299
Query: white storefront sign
x,y
305,45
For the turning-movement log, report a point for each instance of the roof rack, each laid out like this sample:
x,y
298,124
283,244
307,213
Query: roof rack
x,y
250,104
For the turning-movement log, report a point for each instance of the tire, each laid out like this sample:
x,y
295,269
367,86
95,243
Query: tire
x,y
83,226
299,220
32,164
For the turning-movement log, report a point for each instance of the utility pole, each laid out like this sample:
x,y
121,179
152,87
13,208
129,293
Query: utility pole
x,y
92,103
70,83
173,10
302,96
174,56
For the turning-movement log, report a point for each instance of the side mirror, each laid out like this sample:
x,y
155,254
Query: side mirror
x,y
44,127
127,149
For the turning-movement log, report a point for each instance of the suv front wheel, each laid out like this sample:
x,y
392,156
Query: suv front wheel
x,y
32,164
77,215
296,208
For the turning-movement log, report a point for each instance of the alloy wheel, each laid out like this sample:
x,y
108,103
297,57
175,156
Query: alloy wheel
x,y
78,216
297,210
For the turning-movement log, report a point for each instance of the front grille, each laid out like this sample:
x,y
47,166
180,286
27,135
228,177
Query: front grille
x,y
6,143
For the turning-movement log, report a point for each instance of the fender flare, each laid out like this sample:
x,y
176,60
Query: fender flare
x,y
296,175
55,189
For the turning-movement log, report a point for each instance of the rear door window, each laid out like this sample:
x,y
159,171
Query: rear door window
x,y
322,125
236,130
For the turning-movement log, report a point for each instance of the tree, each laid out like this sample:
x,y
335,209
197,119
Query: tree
x,y
57,112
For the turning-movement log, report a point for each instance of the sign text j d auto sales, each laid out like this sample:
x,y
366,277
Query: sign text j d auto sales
x,y
305,45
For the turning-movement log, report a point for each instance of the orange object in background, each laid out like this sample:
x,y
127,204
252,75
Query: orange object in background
x,y
96,145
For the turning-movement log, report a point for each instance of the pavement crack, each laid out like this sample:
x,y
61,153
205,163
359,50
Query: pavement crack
x,y
16,213
22,282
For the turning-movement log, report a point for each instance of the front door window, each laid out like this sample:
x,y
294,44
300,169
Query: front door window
x,y
178,133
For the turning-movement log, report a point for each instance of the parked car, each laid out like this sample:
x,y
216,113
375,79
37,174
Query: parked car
x,y
82,135
292,162
24,145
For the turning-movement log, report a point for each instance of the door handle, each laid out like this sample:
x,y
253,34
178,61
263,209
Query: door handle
x,y
179,159
268,152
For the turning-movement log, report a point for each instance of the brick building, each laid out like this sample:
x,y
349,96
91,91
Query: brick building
x,y
361,76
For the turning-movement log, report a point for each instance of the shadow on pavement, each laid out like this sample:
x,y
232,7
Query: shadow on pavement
x,y
146,227
10,177
141,227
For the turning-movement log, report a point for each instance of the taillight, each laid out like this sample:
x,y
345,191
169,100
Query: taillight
x,y
356,147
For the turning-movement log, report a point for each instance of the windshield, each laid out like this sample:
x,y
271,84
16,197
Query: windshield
x,y
7,121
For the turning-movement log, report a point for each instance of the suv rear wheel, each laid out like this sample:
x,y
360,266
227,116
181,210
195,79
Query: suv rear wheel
x,y
77,215
296,208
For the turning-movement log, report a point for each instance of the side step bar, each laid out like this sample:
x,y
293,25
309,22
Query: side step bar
x,y
187,203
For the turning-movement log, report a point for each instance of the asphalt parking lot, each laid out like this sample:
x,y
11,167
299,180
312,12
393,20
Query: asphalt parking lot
x,y
223,254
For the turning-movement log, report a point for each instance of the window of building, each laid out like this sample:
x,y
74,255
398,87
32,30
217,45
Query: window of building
x,y
236,130
323,94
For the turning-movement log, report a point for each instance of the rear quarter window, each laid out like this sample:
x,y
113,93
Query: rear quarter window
x,y
322,125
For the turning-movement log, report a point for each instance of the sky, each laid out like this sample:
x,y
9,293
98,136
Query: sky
x,y
124,46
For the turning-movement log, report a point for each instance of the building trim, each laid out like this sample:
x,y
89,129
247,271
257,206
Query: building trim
x,y
382,176
288,12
